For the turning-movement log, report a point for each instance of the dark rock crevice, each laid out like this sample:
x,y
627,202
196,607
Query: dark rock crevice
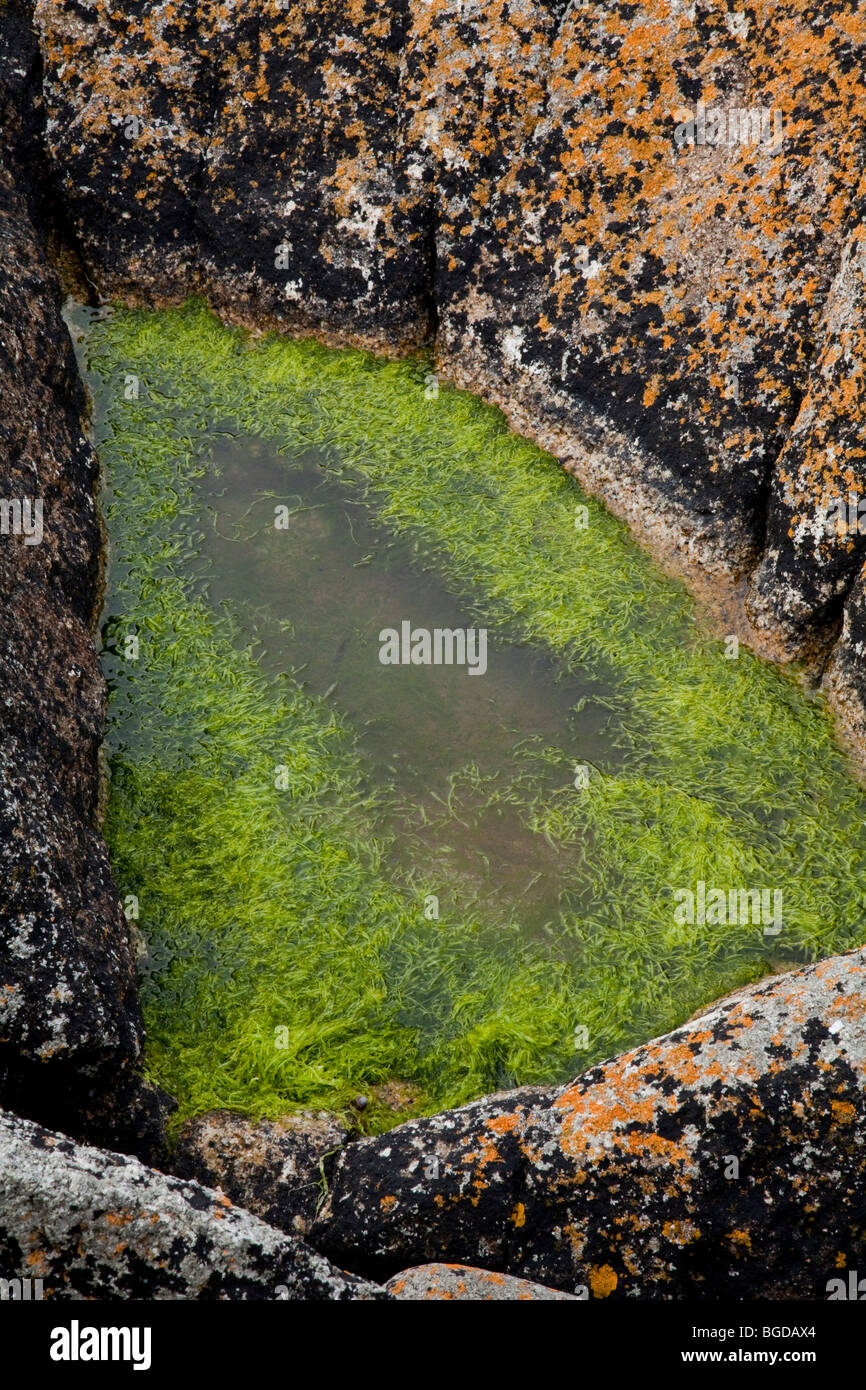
x,y
70,1024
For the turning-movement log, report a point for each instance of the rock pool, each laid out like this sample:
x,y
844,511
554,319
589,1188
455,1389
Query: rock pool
x,y
348,875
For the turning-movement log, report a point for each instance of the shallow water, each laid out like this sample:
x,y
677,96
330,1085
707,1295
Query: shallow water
x,y
305,908
447,747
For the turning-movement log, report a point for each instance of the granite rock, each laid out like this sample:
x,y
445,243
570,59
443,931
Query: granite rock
x,y
70,1023
724,1160
92,1224
277,1169
463,1284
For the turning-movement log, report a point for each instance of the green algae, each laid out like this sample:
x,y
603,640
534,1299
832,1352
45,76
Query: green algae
x,y
289,959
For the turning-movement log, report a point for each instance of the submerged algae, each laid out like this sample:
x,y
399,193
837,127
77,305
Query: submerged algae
x,y
289,958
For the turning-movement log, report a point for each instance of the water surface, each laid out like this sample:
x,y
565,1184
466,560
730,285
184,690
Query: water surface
x,y
450,748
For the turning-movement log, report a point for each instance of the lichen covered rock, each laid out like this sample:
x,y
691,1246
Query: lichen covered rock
x,y
92,1224
648,284
67,977
635,226
70,1023
463,1284
248,149
725,1160
276,1169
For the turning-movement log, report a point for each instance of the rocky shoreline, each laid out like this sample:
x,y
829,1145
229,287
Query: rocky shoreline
x,y
680,323
723,1161
683,326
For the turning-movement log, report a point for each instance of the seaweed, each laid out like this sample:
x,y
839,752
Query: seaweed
x,y
289,961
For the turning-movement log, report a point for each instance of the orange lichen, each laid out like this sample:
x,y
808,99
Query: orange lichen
x,y
602,1281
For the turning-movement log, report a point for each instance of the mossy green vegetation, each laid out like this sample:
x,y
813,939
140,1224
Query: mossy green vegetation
x,y
289,959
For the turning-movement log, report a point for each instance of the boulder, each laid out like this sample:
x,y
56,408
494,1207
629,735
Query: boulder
x,y
52,697
724,1160
68,978
250,149
22,114
97,1225
71,1031
45,454
70,1024
277,1169
463,1284
844,679
813,554
310,216
648,284
636,228
123,99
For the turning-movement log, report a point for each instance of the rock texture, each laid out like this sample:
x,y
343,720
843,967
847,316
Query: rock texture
x,y
92,1224
252,150
22,113
635,226
463,1284
276,1169
725,1160
70,1026
653,298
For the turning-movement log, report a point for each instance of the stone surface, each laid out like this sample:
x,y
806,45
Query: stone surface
x,y
310,215
68,976
725,1160
92,1224
653,307
250,149
53,694
276,1169
70,1024
845,676
45,454
675,311
463,1284
22,114
811,560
